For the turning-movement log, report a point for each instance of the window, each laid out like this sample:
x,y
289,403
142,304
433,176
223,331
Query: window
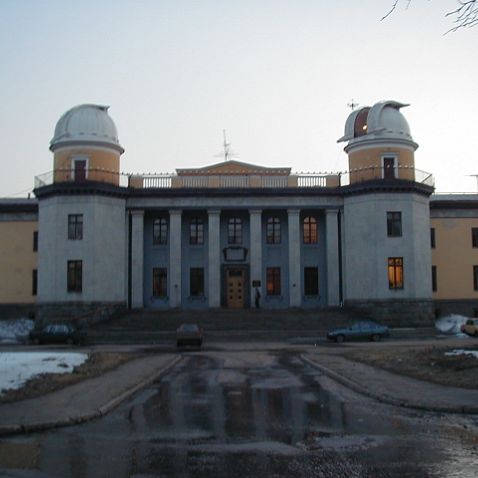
x,y
160,282
196,231
395,272
273,281
311,280
394,224
273,230
434,278
474,236
475,277
310,230
35,241
34,282
234,231
75,226
160,231
75,276
432,238
196,282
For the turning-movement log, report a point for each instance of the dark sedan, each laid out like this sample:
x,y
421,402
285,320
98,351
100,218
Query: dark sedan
x,y
58,334
360,330
189,334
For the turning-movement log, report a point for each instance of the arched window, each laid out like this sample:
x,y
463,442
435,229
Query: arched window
x,y
234,231
160,231
273,230
310,230
196,231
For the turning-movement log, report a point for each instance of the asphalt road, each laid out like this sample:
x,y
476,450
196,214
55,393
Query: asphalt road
x,y
249,413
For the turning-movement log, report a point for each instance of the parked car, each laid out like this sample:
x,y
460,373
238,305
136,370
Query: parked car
x,y
470,327
189,334
360,330
58,334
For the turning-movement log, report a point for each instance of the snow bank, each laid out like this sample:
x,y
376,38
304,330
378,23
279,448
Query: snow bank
x,y
473,353
16,368
13,331
451,324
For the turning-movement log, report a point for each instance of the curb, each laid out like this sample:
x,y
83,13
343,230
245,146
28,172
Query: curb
x,y
356,387
101,411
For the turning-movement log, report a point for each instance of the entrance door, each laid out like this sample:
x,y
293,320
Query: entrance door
x,y
80,170
389,168
235,288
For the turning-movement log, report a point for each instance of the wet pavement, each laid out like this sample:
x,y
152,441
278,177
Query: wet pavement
x,y
241,414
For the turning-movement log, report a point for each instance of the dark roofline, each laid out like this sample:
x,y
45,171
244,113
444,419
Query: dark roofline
x,y
19,205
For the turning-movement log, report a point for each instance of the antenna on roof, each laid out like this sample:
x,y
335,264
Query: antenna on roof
x,y
352,105
228,153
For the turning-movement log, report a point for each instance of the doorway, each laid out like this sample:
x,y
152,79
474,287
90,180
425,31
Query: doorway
x,y
389,168
235,288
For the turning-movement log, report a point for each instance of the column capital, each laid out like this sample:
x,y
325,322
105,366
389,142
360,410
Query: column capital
x,y
332,211
137,212
212,212
293,212
175,212
255,211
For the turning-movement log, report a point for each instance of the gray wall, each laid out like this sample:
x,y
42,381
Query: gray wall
x,y
102,249
367,247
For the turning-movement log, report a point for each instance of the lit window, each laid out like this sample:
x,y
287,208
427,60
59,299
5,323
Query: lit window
x,y
273,230
394,224
75,226
273,281
75,276
160,231
160,282
234,231
196,231
310,230
395,273
311,281
196,282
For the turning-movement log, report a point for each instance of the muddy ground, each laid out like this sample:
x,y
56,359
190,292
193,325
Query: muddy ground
x,y
425,363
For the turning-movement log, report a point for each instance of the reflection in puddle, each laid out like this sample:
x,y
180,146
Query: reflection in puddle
x,y
207,418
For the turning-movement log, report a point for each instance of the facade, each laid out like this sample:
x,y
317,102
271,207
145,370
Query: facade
x,y
238,235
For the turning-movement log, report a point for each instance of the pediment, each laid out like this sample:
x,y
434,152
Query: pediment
x,y
233,167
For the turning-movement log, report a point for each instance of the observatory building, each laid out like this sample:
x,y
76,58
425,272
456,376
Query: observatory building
x,y
238,235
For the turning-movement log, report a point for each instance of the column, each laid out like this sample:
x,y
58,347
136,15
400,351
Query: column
x,y
175,258
137,272
214,258
256,252
295,289
332,249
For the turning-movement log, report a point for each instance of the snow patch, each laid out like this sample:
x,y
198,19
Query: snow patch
x,y
450,325
16,368
473,353
14,331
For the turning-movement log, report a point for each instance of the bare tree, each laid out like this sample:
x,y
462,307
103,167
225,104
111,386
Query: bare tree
x,y
465,14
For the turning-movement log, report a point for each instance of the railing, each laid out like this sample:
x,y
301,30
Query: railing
x,y
297,180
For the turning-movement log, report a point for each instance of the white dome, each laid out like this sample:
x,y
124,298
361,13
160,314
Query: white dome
x,y
382,121
88,124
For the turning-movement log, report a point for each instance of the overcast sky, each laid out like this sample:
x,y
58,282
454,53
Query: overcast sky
x,y
276,74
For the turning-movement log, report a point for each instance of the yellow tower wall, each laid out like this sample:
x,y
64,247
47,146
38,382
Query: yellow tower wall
x,y
368,162
454,258
103,164
17,261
